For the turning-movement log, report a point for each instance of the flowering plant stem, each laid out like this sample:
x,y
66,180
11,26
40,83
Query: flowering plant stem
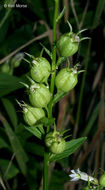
x,y
46,154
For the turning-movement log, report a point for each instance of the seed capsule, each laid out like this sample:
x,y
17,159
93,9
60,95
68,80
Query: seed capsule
x,y
55,142
66,79
32,115
68,44
58,147
40,70
40,96
102,180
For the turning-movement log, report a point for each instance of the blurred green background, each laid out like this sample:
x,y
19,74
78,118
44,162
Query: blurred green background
x,y
23,26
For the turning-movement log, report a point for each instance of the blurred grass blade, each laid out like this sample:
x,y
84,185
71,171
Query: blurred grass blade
x,y
3,143
12,172
9,83
10,109
70,148
93,117
35,149
20,154
99,10
8,10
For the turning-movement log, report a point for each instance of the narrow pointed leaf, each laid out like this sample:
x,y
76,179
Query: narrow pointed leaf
x,y
71,147
46,50
34,130
20,154
9,83
12,114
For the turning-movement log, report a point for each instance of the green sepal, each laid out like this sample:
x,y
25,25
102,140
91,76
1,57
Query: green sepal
x,y
46,50
29,55
71,147
61,14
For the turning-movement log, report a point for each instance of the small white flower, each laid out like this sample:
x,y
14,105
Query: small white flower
x,y
77,174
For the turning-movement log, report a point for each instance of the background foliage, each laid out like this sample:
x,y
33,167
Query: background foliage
x,y
82,110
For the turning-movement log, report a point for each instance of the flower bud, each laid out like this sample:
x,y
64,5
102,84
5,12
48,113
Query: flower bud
x,y
102,180
40,70
40,96
68,44
32,115
66,79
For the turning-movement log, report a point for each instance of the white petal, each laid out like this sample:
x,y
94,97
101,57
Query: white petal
x,y
73,171
75,179
72,175
78,171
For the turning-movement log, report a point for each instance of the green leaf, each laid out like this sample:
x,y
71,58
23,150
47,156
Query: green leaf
x,y
58,179
20,154
12,170
71,147
98,13
10,109
20,36
35,148
9,83
34,130
93,117
3,143
45,121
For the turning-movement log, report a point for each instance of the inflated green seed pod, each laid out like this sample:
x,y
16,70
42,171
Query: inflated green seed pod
x,y
5,68
66,79
55,142
68,44
32,115
102,180
39,97
40,70
58,147
51,137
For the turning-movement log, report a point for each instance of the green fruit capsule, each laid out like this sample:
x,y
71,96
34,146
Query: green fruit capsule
x,y
55,142
68,44
40,70
40,96
58,147
51,137
66,79
32,115
102,180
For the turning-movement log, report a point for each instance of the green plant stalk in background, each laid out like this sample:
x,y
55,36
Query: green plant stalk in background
x,y
46,154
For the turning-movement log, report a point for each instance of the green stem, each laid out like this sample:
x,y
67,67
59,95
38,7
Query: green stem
x,y
82,90
46,154
54,48
46,167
